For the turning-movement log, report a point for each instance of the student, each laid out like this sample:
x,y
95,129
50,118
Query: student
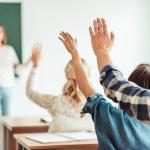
x,y
141,77
8,64
64,108
132,98
115,129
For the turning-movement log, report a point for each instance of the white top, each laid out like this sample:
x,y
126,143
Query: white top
x,y
8,59
65,116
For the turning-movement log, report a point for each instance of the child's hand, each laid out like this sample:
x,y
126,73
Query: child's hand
x,y
36,54
69,42
101,41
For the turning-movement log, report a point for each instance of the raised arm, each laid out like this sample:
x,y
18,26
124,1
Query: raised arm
x,y
43,100
132,98
81,75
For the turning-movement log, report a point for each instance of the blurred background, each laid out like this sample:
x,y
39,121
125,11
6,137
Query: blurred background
x,y
31,21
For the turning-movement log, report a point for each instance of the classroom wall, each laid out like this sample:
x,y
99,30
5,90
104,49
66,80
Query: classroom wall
x,y
42,20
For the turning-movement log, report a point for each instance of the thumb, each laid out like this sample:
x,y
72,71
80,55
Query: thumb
x,y
76,41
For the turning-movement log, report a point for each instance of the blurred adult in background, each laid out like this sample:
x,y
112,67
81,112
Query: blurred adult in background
x,y
9,62
66,107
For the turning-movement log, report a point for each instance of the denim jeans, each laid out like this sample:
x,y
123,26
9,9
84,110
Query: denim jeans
x,y
5,99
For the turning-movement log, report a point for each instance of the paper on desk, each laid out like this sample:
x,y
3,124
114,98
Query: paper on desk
x,y
80,135
48,138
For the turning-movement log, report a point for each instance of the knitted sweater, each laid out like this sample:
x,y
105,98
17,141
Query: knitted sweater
x,y
66,117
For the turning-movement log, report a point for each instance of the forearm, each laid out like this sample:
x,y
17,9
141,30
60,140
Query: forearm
x,y
81,76
103,59
43,100
27,62
22,65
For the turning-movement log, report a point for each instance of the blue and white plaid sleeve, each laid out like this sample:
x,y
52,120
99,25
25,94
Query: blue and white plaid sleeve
x,y
132,98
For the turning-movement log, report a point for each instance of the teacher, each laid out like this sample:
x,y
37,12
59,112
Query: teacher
x,y
8,63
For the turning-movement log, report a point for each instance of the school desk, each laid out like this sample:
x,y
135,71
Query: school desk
x,y
24,143
21,125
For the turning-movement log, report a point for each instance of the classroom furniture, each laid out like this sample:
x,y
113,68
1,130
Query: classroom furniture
x,y
21,125
1,134
24,143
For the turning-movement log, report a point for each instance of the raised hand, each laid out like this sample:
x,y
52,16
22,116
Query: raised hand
x,y
101,40
69,42
36,54
80,73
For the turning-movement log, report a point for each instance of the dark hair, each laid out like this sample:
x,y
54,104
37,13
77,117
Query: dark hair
x,y
4,42
141,76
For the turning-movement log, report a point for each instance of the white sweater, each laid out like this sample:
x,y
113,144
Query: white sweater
x,y
65,116
8,59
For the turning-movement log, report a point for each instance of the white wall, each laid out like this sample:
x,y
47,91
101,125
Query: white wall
x,y
42,20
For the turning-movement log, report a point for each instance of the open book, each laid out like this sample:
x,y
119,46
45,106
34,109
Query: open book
x,y
61,137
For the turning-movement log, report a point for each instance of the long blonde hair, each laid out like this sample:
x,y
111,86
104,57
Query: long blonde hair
x,y
5,40
71,87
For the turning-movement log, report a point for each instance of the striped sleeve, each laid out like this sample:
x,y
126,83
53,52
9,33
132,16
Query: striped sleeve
x,y
132,98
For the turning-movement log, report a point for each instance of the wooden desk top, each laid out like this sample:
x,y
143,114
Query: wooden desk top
x,y
23,122
30,144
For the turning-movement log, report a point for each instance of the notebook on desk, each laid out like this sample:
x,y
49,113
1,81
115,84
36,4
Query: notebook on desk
x,y
61,137
80,135
48,138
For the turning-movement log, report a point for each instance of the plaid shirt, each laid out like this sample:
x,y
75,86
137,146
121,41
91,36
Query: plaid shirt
x,y
133,99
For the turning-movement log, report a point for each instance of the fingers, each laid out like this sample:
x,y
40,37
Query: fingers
x,y
68,41
100,26
69,36
37,47
76,41
64,36
91,32
104,26
36,52
61,39
95,25
112,36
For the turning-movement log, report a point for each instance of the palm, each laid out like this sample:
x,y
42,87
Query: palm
x,y
68,41
100,39
36,54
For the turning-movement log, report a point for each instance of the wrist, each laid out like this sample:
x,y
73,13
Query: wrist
x,y
75,55
103,59
101,54
35,65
